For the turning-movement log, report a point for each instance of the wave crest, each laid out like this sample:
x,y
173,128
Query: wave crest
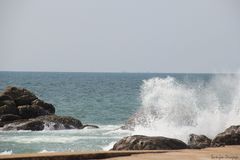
x,y
175,108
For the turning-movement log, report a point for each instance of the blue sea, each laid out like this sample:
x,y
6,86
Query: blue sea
x,y
172,105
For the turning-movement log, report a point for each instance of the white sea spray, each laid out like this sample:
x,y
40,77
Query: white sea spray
x,y
175,109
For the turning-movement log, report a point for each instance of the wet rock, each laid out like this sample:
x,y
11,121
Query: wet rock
x,y
90,126
231,136
9,117
61,122
33,125
21,96
5,97
46,106
7,105
198,141
139,142
52,122
31,111
20,109
8,109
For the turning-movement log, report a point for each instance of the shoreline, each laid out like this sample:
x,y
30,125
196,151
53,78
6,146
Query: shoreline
x,y
219,153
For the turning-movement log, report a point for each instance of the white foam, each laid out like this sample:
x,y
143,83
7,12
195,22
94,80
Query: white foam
x,y
176,109
40,139
6,152
109,146
46,151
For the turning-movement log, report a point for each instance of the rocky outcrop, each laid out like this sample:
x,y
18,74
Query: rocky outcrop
x,y
139,142
49,108
21,96
231,136
33,125
31,111
23,103
7,105
20,109
198,141
9,117
52,122
61,122
90,126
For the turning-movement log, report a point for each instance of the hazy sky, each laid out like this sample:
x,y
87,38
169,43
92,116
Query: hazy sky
x,y
120,35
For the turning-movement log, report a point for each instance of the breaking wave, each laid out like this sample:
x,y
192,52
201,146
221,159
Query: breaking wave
x,y
176,108
9,152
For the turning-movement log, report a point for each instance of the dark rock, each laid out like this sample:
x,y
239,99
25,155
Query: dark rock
x,y
139,142
231,136
7,102
5,97
33,125
7,105
198,141
21,96
61,122
31,111
22,110
46,106
9,117
8,109
53,122
90,126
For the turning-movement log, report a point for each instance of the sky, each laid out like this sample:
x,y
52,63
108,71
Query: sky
x,y
197,36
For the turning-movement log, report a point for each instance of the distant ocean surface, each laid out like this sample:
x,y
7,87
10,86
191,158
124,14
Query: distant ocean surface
x,y
184,103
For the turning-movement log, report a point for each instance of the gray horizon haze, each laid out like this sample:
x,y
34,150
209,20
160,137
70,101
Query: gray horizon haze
x,y
187,36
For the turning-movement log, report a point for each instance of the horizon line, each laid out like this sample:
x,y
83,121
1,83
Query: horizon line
x,y
122,72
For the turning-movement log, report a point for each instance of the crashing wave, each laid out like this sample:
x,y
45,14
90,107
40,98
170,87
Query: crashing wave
x,y
176,109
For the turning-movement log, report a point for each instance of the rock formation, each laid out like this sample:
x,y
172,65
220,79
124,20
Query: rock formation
x,y
20,109
139,142
231,136
198,141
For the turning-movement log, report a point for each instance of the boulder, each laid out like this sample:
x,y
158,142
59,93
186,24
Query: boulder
x,y
33,125
9,117
46,106
8,109
198,141
21,96
139,142
7,105
61,122
31,111
52,122
5,97
90,126
20,109
231,136
7,102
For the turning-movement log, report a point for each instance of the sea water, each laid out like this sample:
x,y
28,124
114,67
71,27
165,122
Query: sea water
x,y
172,105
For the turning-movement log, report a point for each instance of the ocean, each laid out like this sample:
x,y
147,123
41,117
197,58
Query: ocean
x,y
172,105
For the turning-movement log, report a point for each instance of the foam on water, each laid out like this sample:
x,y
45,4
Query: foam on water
x,y
109,146
46,151
175,109
41,139
6,152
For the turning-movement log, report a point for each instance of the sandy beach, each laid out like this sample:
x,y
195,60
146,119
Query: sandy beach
x,y
222,153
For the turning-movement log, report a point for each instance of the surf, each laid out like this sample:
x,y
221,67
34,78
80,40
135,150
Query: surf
x,y
174,108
